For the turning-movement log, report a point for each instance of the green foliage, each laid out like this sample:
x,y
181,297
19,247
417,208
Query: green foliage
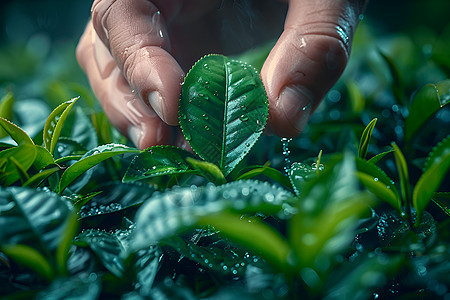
x,y
82,214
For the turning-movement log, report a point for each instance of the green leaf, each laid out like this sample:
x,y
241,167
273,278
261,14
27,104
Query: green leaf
x,y
21,157
425,103
43,158
223,110
29,257
443,201
107,248
208,170
376,181
179,209
365,138
272,173
157,161
379,156
431,179
74,287
397,81
32,217
54,124
62,252
6,110
253,234
16,133
402,169
298,174
439,151
90,159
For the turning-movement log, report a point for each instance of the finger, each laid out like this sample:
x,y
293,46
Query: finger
x,y
307,60
135,33
125,109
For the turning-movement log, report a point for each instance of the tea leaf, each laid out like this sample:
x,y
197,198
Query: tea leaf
x,y
429,182
356,97
252,234
439,151
36,179
272,173
32,217
376,181
298,174
425,103
365,138
379,156
29,257
223,110
90,159
16,133
62,252
55,122
6,110
402,169
21,157
208,170
157,161
43,158
179,209
107,248
397,81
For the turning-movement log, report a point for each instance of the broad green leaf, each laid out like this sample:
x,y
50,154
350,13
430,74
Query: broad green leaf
x,y
16,133
179,209
223,110
253,234
356,97
107,248
21,157
20,170
208,170
6,110
379,156
365,139
29,257
90,159
36,179
32,217
54,124
429,182
157,161
376,181
443,201
402,169
425,103
43,158
272,173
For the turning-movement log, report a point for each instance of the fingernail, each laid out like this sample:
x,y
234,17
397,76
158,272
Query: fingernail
x,y
135,135
296,103
155,101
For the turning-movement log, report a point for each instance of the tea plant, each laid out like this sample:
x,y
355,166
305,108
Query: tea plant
x,y
113,221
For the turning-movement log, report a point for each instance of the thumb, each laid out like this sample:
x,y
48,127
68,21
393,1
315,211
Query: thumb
x,y
307,60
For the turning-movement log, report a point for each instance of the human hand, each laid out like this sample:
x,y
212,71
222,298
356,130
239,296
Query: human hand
x,y
136,71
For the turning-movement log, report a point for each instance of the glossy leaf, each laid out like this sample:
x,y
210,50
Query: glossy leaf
x,y
208,170
90,159
437,167
265,170
402,169
16,161
439,151
397,80
223,110
29,257
32,217
107,248
425,103
379,156
298,174
15,132
179,209
253,234
376,181
6,110
43,158
54,124
365,139
62,251
157,161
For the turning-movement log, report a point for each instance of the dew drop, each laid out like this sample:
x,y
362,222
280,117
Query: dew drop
x,y
285,145
243,118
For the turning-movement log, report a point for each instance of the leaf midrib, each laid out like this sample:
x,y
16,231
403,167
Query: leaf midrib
x,y
225,118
